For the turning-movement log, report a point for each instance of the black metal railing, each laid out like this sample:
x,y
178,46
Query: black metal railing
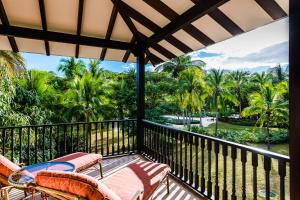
x,y
39,143
216,168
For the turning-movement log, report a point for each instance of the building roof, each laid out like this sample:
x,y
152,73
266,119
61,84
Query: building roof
x,y
109,29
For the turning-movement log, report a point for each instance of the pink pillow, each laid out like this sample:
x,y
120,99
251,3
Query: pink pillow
x,y
75,183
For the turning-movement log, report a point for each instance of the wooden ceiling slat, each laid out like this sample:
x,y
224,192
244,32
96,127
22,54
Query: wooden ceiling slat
x,y
225,22
185,19
272,8
79,24
165,10
154,27
5,22
63,37
154,59
44,24
110,28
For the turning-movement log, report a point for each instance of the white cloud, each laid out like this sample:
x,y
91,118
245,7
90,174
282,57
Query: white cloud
x,y
263,46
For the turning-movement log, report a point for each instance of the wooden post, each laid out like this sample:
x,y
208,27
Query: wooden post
x,y
140,85
294,87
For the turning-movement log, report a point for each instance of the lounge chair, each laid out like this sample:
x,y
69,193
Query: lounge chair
x,y
137,181
81,161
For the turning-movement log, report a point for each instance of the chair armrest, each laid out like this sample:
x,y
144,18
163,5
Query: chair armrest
x,y
137,195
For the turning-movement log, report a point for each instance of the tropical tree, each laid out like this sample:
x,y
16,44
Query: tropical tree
x,y
220,91
261,78
269,105
12,61
71,67
176,65
193,88
84,98
95,67
239,78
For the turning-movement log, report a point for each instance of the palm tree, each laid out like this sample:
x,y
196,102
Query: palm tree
x,y
239,79
71,67
95,68
85,97
269,105
193,87
14,62
220,91
177,65
261,78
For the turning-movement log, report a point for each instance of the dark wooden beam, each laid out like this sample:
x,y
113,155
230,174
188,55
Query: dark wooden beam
x,y
127,54
79,24
294,91
154,59
15,31
140,85
192,14
166,11
111,25
140,37
5,22
272,8
225,22
44,24
153,27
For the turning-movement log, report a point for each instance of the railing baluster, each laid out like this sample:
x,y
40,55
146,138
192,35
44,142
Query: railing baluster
x,y
197,163
209,183
233,158
72,149
35,144
267,167
123,137
254,166
107,138
20,145
181,156
176,154
185,157
113,137
282,174
3,141
128,136
101,131
118,127
191,138
65,139
96,137
77,133
90,136
50,135
225,153
202,165
132,130
43,144
12,147
244,160
28,146
217,188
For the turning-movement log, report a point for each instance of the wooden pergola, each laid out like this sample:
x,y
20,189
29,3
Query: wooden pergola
x,y
145,31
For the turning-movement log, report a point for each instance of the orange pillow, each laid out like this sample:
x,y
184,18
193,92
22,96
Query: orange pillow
x,y
7,167
75,183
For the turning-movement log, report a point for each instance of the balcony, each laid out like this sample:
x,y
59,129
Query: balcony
x,y
202,167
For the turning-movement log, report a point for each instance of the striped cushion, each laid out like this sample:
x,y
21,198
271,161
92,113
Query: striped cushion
x,y
81,160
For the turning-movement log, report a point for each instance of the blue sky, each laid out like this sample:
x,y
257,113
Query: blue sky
x,y
265,46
